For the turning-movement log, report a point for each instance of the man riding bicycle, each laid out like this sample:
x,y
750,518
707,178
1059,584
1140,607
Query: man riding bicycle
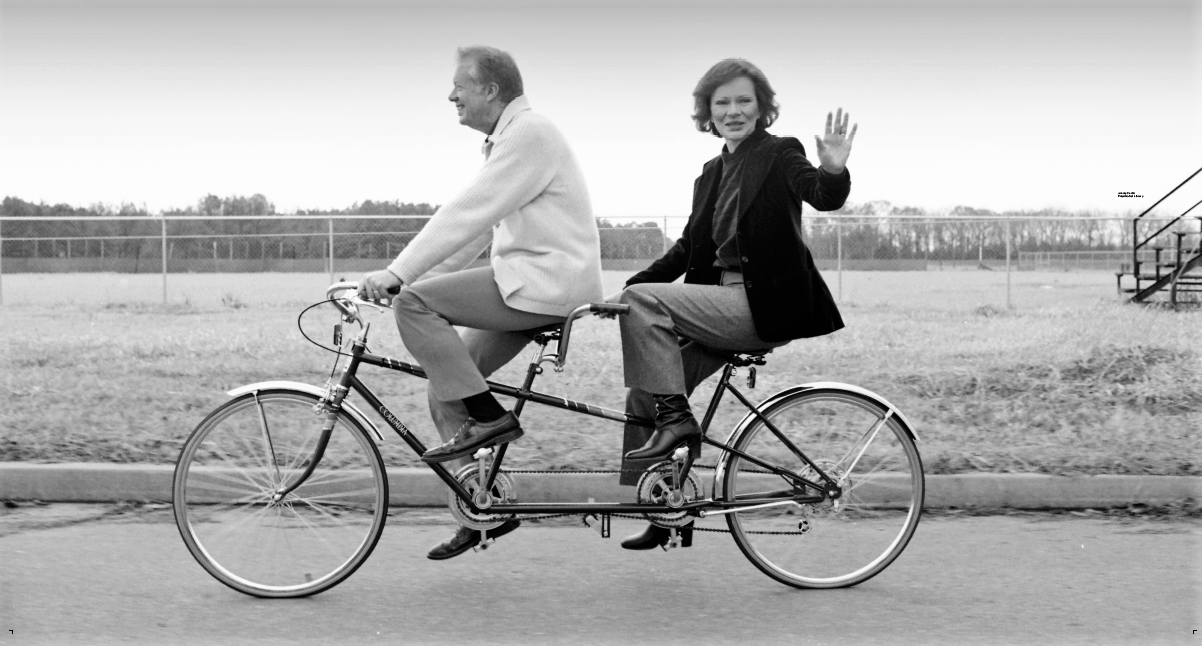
x,y
529,201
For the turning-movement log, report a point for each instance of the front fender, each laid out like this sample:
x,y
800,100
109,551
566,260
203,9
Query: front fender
x,y
310,389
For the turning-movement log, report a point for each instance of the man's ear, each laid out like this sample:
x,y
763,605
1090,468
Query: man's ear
x,y
492,91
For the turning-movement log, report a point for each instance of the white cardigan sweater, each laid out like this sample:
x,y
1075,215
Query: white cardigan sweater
x,y
531,201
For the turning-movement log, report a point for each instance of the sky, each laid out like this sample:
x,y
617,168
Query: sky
x,y
1002,105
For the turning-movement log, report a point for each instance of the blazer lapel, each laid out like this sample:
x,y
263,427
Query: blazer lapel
x,y
755,170
706,194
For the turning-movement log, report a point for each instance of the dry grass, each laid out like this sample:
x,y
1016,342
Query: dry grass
x,y
1084,385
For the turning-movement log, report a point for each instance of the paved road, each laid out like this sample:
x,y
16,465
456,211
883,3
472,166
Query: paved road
x,y
98,574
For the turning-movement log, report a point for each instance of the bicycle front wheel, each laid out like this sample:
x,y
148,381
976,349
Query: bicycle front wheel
x,y
836,543
311,540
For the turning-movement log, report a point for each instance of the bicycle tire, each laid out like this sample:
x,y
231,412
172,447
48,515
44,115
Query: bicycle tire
x,y
315,537
833,544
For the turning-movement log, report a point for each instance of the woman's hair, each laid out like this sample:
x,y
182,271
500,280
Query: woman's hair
x,y
491,65
724,72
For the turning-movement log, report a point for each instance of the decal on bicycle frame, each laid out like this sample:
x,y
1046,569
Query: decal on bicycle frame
x,y
393,421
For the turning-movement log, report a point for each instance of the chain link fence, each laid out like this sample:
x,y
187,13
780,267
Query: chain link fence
x,y
846,247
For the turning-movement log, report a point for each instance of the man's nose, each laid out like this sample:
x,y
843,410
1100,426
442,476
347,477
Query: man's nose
x,y
452,96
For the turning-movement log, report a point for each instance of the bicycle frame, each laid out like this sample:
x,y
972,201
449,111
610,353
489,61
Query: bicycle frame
x,y
349,381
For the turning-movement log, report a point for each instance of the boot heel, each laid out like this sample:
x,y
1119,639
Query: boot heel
x,y
694,444
686,535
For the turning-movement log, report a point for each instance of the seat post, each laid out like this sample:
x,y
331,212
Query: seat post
x,y
718,392
533,370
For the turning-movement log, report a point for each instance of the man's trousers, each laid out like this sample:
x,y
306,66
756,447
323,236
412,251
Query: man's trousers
x,y
457,365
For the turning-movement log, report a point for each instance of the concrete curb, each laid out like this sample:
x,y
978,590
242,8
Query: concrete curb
x,y
93,482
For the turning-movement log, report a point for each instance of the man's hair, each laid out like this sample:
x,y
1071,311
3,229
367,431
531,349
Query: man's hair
x,y
726,71
491,65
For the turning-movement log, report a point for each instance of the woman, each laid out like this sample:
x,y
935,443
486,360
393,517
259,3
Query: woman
x,y
749,281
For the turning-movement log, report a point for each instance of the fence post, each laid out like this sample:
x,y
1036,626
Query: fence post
x,y
331,244
839,255
1008,264
163,222
1,262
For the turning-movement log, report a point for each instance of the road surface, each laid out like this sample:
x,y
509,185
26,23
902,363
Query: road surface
x,y
104,574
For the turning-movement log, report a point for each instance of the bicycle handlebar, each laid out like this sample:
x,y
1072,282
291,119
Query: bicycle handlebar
x,y
348,305
561,356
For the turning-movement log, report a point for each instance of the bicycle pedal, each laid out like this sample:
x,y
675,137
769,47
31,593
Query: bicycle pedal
x,y
482,453
483,545
597,524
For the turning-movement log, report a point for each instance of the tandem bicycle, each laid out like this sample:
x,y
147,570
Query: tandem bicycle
x,y
282,491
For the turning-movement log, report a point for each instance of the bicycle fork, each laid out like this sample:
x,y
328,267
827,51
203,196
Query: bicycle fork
x,y
332,405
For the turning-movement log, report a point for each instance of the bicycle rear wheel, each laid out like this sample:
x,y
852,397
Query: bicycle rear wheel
x,y
315,537
837,543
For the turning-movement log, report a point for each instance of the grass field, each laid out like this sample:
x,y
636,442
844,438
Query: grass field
x,y
1068,381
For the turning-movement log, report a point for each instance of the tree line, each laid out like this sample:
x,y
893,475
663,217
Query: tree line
x,y
221,237
884,231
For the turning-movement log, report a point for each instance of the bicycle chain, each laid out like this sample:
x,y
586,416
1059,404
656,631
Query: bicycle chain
x,y
631,516
584,471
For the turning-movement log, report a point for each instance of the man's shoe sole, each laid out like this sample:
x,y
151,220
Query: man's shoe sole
x,y
474,446
501,530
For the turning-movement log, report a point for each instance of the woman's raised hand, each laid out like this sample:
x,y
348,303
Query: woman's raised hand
x,y
835,146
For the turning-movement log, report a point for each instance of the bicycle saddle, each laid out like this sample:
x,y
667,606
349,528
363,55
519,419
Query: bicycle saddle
x,y
755,358
549,332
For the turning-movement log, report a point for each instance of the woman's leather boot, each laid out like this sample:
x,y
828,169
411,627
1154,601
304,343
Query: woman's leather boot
x,y
674,425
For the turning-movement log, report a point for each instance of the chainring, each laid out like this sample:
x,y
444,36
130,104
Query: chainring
x,y
653,488
503,491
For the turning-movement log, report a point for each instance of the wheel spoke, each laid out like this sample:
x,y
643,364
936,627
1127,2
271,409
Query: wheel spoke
x,y
249,476
368,491
316,533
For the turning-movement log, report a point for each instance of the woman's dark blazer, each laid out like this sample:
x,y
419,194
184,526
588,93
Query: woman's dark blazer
x,y
787,296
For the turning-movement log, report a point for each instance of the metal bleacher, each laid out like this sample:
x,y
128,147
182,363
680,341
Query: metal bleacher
x,y
1174,275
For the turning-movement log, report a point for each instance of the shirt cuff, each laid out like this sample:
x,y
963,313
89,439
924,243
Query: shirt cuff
x,y
399,271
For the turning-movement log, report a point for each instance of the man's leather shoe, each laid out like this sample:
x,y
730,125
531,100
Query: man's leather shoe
x,y
655,536
466,538
674,424
475,435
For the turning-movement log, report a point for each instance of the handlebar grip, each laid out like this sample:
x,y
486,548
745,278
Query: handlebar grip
x,y
608,308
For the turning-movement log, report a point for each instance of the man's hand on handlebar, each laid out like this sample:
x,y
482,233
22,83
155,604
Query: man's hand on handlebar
x,y
379,286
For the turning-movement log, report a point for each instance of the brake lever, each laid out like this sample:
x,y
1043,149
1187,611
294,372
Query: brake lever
x,y
379,308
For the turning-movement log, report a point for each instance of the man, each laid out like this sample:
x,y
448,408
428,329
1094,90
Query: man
x,y
530,201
